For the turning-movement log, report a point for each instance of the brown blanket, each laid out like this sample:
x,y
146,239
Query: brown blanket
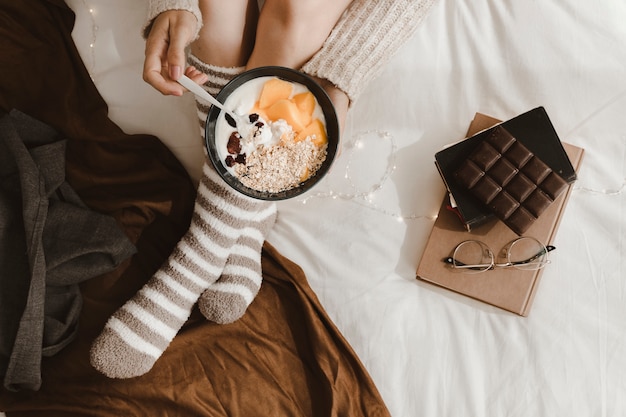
x,y
284,358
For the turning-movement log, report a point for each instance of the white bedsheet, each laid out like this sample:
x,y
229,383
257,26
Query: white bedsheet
x,y
359,235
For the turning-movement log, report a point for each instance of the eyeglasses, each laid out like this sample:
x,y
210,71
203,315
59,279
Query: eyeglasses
x,y
474,256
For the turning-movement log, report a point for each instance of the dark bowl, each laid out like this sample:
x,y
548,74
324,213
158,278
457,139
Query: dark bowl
x,y
332,131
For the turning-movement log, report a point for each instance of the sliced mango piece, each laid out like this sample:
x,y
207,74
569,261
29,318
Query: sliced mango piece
x,y
316,130
274,90
306,104
288,111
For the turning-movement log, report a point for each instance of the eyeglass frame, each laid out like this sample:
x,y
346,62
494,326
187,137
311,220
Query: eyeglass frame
x,y
450,260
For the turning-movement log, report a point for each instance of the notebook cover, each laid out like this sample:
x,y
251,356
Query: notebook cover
x,y
533,128
507,288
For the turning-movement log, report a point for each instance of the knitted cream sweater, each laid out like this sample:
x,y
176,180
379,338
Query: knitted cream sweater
x,y
364,39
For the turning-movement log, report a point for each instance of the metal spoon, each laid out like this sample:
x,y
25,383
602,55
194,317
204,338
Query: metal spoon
x,y
189,84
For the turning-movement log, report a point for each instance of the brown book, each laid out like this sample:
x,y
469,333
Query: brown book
x,y
507,288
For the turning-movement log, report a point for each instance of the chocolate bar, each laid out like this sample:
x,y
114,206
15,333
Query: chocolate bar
x,y
515,184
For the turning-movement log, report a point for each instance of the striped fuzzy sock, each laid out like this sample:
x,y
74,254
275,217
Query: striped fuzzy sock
x,y
139,332
226,300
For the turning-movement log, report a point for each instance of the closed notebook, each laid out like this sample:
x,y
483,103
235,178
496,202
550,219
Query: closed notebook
x,y
507,288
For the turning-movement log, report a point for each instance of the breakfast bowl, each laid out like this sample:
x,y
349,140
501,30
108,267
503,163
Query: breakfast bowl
x,y
286,140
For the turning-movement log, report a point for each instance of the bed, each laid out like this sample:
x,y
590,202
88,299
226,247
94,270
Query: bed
x,y
358,236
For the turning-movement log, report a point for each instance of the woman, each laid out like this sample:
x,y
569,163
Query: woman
x,y
217,263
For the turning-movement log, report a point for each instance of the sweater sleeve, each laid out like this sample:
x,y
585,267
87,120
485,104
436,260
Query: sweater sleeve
x,y
364,39
156,7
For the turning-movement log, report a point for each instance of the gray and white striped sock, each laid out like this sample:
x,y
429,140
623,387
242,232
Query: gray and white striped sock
x,y
226,300
140,331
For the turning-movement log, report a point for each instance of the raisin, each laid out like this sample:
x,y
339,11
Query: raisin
x,y
230,161
241,158
234,143
230,120
259,124
253,117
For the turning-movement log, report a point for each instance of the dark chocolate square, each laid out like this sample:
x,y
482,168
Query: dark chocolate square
x,y
537,202
468,174
536,170
503,205
518,154
520,220
553,185
503,171
501,139
486,189
520,187
484,156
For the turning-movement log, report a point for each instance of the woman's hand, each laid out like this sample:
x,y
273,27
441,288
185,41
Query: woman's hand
x,y
340,101
164,62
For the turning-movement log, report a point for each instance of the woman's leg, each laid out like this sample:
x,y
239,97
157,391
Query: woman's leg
x,y
227,35
289,32
223,47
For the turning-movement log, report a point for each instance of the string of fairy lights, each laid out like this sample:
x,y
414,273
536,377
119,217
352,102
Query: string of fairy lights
x,y
366,196
94,34
604,191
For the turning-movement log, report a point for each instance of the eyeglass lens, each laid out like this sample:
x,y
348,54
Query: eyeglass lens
x,y
526,253
473,256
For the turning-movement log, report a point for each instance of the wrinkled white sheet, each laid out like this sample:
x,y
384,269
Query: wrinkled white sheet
x,y
359,234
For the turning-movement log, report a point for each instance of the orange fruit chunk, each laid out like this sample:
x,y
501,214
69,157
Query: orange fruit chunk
x,y
316,131
275,103
274,90
306,104
288,111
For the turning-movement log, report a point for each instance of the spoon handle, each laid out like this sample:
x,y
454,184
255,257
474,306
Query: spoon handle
x,y
200,92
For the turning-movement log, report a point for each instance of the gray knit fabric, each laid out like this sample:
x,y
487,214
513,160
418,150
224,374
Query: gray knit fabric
x,y
366,37
49,242
156,7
